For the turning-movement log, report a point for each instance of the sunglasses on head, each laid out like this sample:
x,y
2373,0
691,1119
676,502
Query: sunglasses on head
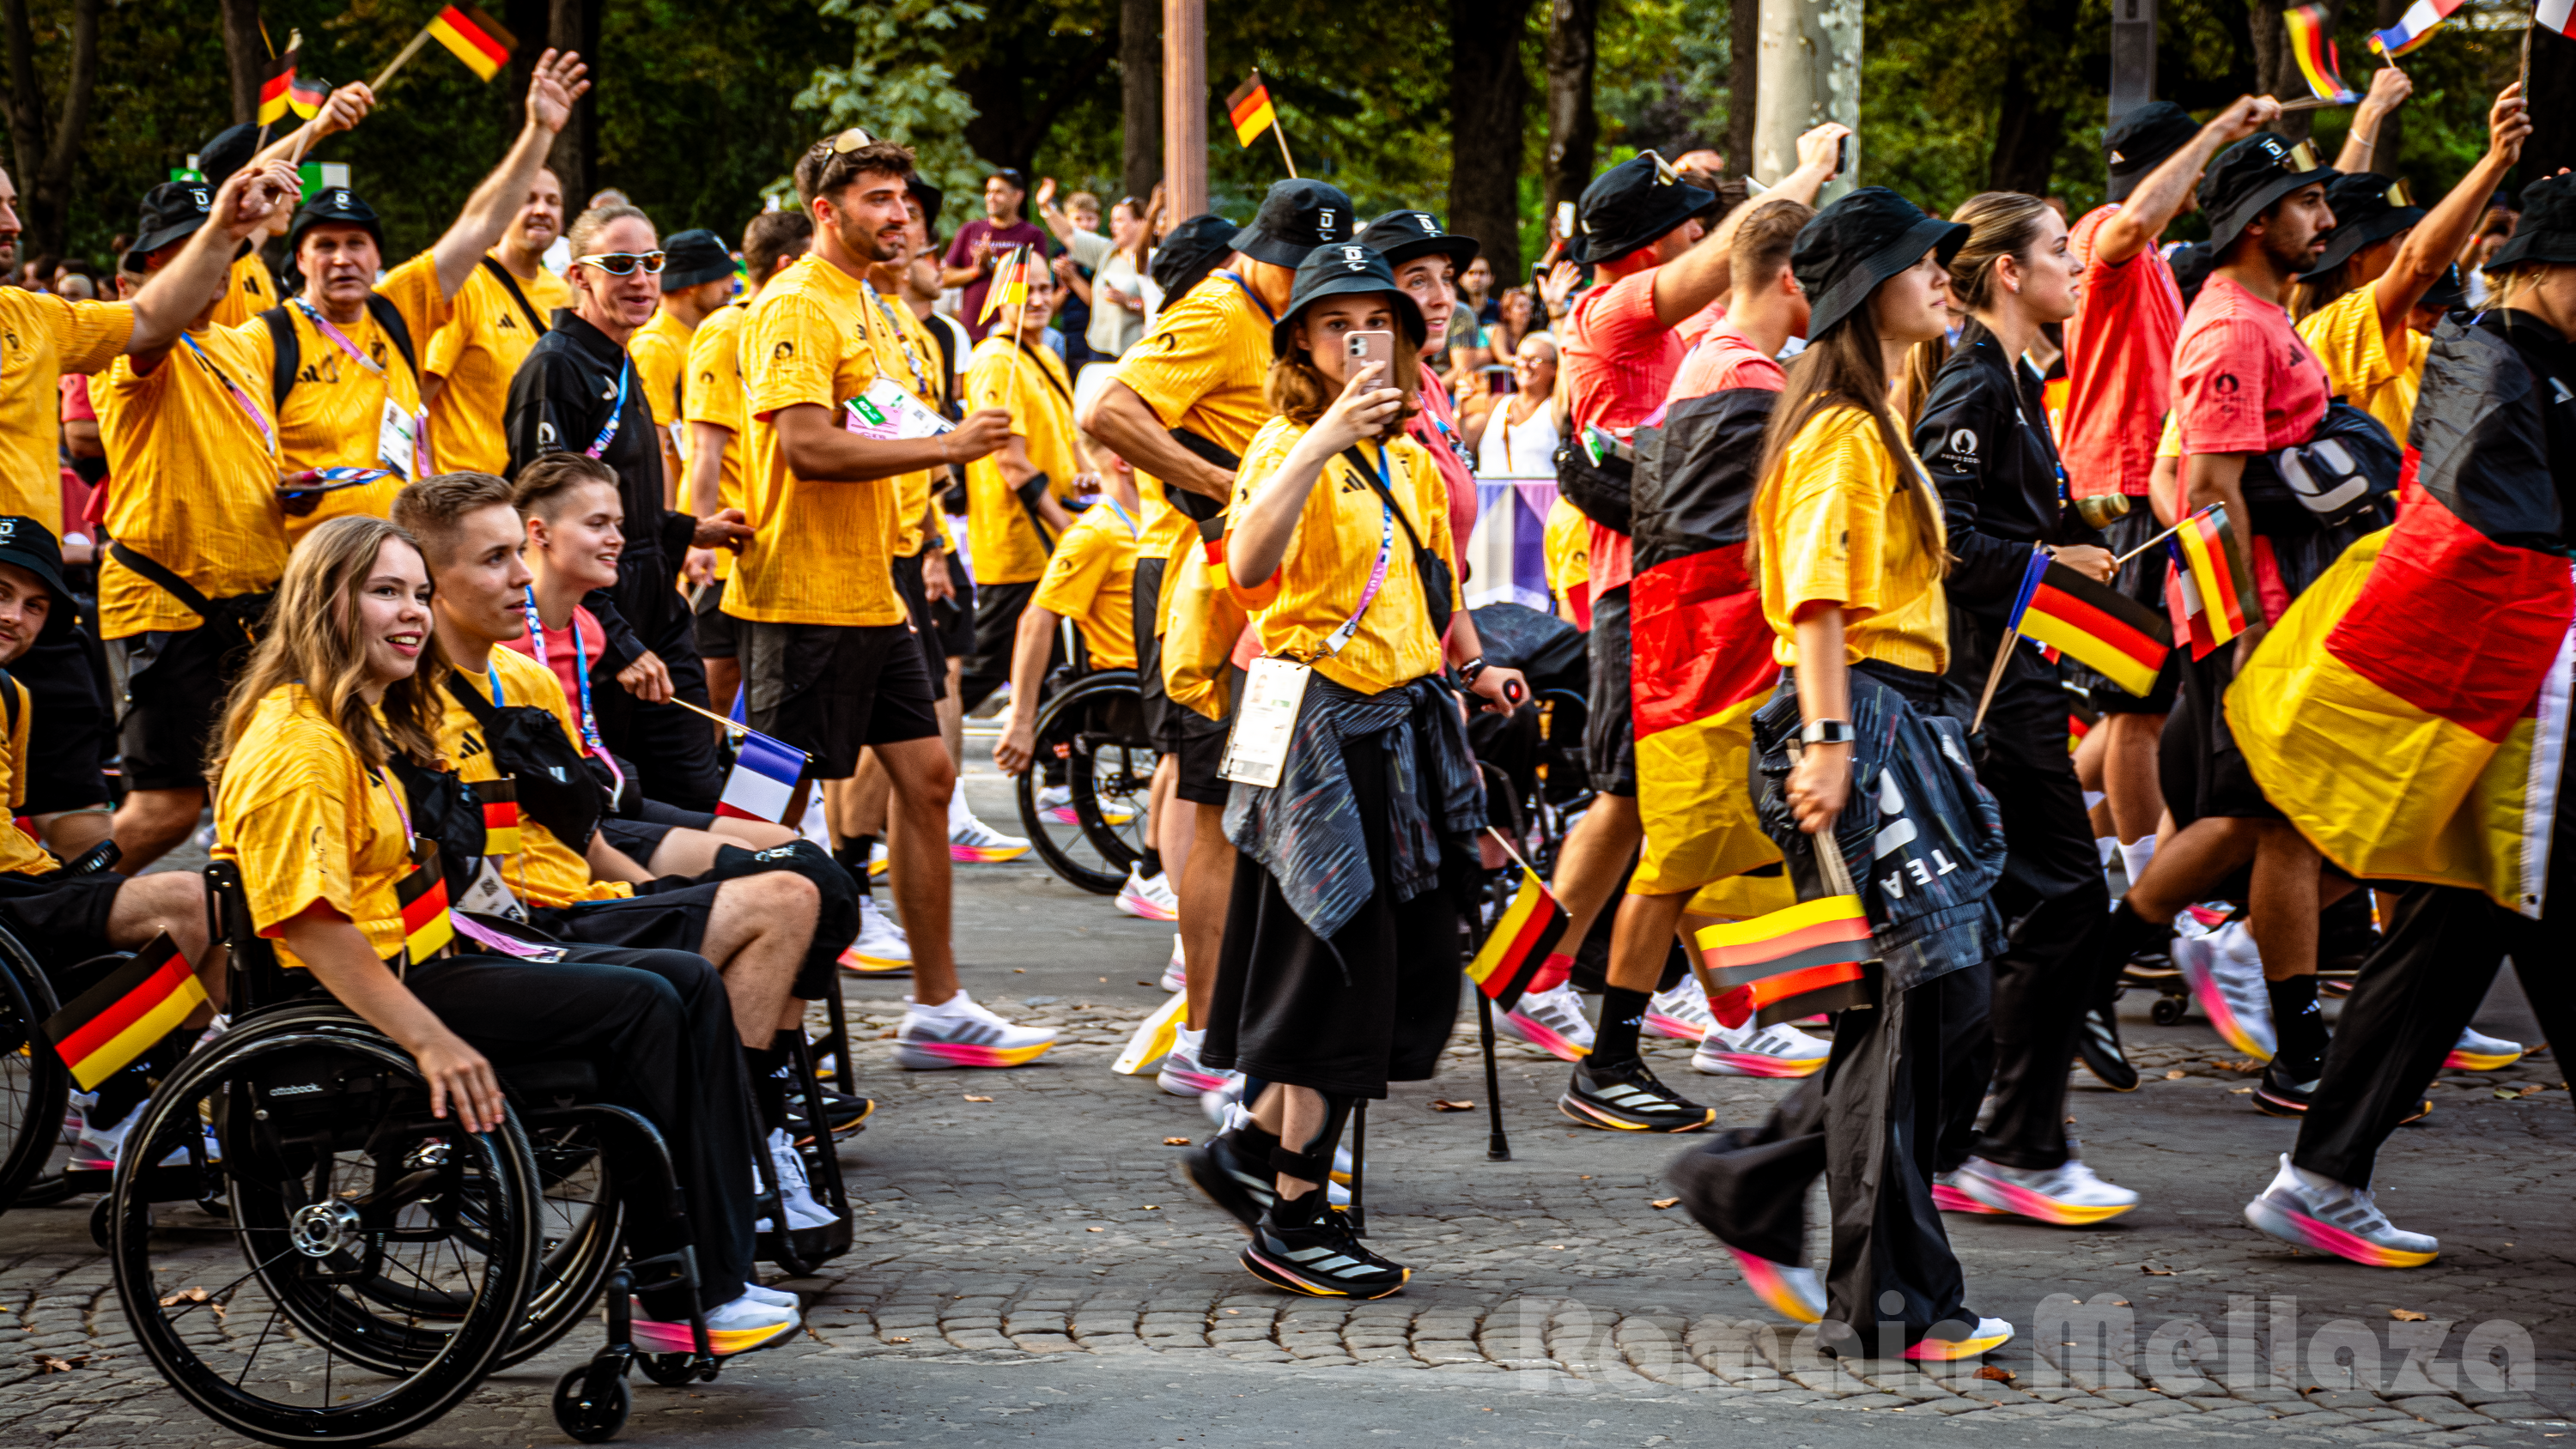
x,y
843,142
622,264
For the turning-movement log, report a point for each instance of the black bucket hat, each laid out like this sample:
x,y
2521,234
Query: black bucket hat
x,y
930,198
2251,175
337,206
1189,252
1295,218
1401,236
2448,292
172,211
229,151
2191,263
2368,207
2547,231
32,546
2143,140
1630,206
694,257
1863,239
1341,270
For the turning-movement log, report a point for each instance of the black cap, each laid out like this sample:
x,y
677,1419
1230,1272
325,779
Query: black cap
x,y
337,205
1340,270
929,196
2191,265
1863,239
229,152
2449,291
1189,251
2143,140
2547,231
172,211
2368,207
1401,236
2251,175
32,546
694,257
1295,218
1632,205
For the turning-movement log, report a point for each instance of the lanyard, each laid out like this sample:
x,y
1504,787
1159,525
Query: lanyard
x,y
1377,575
912,360
258,419
1250,295
599,445
1112,505
323,325
581,675
383,778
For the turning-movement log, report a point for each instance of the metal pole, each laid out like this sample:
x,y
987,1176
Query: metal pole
x,y
1498,1148
1185,107
1359,1168
1809,70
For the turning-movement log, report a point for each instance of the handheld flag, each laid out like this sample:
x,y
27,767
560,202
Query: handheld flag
x,y
1010,286
2558,15
306,95
500,799
426,925
106,1027
2316,54
2208,584
274,91
474,38
2412,28
2095,623
1519,943
1250,110
763,782
1806,959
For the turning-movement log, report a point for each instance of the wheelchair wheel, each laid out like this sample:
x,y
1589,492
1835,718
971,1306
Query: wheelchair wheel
x,y
1095,729
317,1132
34,1084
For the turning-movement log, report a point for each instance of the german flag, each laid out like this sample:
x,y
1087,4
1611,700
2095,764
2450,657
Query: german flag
x,y
1010,286
305,95
2318,59
2210,582
474,38
2095,623
1806,959
1249,109
500,800
1519,943
108,1026
274,92
427,927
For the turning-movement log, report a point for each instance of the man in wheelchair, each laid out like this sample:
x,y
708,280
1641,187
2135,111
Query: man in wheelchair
x,y
773,920
69,918
348,680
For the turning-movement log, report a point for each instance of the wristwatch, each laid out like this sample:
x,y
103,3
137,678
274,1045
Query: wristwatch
x,y
1468,671
1827,732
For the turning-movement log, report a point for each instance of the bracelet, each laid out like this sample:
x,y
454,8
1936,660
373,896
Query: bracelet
x,y
1468,671
1827,732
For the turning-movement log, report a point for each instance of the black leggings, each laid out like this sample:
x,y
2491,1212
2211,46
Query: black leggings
x,y
658,1029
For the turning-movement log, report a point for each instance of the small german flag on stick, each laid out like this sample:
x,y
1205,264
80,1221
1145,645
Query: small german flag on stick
x,y
1798,962
1519,942
427,926
500,799
2210,584
2095,623
108,1026
274,91
474,38
1250,110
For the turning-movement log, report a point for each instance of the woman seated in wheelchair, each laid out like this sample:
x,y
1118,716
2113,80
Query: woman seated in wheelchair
x,y
70,921
347,675
1090,579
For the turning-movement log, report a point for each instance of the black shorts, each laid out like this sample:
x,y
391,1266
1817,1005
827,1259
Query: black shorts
x,y
1610,730
718,634
175,683
1200,744
834,689
61,919
2142,579
1147,601
640,837
925,621
69,733
2201,770
670,913
998,608
956,613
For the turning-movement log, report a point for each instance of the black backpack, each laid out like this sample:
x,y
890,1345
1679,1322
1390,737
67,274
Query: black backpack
x,y
290,351
556,786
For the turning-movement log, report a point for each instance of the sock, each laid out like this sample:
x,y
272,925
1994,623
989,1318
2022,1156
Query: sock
x,y
958,815
2134,856
767,1088
1188,1043
1297,1212
1150,864
2106,846
1622,1011
853,856
2298,1025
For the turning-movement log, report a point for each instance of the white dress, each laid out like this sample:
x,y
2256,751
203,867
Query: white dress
x,y
1526,450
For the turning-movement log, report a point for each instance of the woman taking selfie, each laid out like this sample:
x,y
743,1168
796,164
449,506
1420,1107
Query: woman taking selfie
x,y
1341,956
1848,543
307,800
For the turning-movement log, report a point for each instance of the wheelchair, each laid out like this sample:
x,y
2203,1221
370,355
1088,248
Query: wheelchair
x,y
1091,746
389,1262
35,1087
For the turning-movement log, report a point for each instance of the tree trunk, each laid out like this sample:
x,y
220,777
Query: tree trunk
x,y
48,148
1743,71
1140,81
2030,122
1573,127
574,25
1488,96
246,57
2553,106
26,97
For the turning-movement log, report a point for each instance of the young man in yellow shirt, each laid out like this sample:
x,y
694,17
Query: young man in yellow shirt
x,y
493,320
697,278
1015,499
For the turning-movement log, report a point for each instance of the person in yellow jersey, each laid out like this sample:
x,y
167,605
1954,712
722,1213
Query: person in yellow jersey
x,y
503,308
1015,499
711,407
697,278
2369,305
313,805
829,658
342,358
1357,845
1186,402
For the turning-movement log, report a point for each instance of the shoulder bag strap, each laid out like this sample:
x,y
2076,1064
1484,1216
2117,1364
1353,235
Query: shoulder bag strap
x,y
170,583
510,284
390,318
483,710
281,374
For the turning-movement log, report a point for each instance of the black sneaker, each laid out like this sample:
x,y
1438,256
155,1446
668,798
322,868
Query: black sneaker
x,y
1625,1097
1323,1258
846,1113
2097,1045
2281,1095
1228,1177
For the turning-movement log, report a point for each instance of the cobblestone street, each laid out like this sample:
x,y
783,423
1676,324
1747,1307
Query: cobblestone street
x,y
1033,1265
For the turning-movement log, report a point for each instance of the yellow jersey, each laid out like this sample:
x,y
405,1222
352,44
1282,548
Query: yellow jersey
x,y
1202,367
544,871
1091,579
20,852
194,456
249,290
43,336
310,822
487,336
713,394
334,415
2346,336
1031,382
1833,527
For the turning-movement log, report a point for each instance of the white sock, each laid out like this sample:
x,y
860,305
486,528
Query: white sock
x,y
2135,855
2107,846
1189,1040
958,814
949,1007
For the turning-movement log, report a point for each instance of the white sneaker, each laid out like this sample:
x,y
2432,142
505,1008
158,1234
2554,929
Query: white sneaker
x,y
960,1033
99,1149
1221,1104
2478,1052
1551,1020
795,1193
1149,898
775,1298
738,1327
1681,1013
1182,1076
2225,974
2068,1195
1759,1051
878,861
972,842
1055,806
2316,1212
882,948
1176,972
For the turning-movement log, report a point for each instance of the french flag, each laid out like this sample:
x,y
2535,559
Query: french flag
x,y
763,782
2413,28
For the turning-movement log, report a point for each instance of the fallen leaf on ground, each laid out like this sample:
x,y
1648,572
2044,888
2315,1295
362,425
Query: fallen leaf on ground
x,y
1095,1230
971,1097
898,1340
1151,1207
1176,1142
186,1295
1665,1202
2155,1272
1444,1104
2175,1075
46,1363
1996,1373
2241,1091
2405,1315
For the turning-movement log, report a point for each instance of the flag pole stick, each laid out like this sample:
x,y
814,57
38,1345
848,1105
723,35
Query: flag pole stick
x,y
1498,1148
2159,538
2526,57
1019,320
1280,131
736,726
1505,842
401,57
1994,676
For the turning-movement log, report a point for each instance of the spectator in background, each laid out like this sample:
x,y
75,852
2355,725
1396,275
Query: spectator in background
x,y
1478,283
75,286
1706,160
980,243
1516,316
1072,330
1111,268
2493,232
1520,436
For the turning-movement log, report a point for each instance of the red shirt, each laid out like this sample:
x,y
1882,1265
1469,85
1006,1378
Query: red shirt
x,y
2244,379
559,653
1696,325
2119,365
1435,427
1723,358
1619,361
961,252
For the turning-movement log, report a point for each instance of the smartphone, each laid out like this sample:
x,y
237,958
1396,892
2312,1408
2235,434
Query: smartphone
x,y
1842,155
1367,347
1500,380
1565,218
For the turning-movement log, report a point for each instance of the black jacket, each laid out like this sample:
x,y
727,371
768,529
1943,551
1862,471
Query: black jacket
x,y
2496,427
560,398
1984,439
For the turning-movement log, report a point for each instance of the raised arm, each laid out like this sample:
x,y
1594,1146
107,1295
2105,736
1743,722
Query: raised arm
x,y
1123,420
194,278
559,81
2158,200
1702,274
2429,248
2388,90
